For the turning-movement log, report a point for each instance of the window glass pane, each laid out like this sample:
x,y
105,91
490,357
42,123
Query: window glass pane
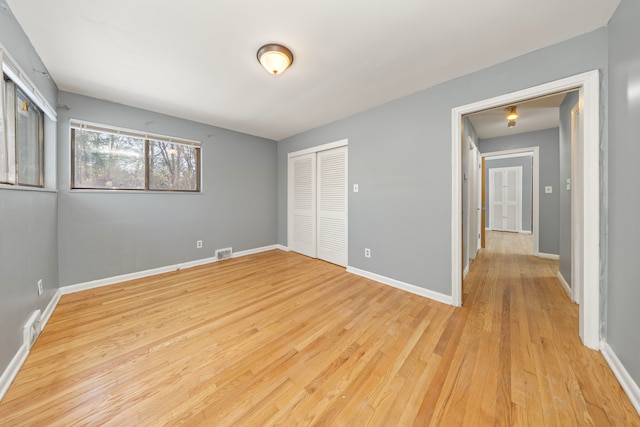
x,y
9,169
28,141
173,166
105,160
3,139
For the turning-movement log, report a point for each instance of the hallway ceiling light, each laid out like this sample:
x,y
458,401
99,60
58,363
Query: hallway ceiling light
x,y
275,58
512,115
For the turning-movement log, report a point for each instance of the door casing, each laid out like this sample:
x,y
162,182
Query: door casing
x,y
588,158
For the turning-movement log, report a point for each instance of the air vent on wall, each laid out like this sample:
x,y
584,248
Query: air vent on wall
x,y
223,254
32,329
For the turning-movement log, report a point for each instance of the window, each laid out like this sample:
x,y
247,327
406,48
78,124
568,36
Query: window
x,y
117,159
22,138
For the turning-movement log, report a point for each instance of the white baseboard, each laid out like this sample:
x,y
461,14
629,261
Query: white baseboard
x,y
525,232
283,248
628,384
465,272
69,289
564,283
256,250
417,290
18,360
10,373
549,256
48,311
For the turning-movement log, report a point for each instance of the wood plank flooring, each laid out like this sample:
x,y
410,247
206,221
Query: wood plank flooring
x,y
280,339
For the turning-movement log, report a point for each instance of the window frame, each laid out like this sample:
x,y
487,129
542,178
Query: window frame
x,y
148,138
14,143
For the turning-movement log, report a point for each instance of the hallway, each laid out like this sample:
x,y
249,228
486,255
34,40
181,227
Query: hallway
x,y
526,328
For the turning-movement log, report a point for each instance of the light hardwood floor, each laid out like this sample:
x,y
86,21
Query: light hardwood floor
x,y
281,339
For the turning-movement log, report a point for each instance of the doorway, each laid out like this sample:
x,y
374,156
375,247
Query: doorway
x,y
505,199
533,217
587,247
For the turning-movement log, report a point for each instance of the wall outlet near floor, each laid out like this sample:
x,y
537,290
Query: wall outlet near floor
x,y
367,252
40,288
198,244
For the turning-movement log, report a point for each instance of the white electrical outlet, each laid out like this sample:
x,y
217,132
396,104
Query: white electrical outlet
x,y
198,244
40,288
367,252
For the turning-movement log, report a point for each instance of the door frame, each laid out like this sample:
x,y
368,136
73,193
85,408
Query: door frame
x,y
534,152
588,84
574,185
473,202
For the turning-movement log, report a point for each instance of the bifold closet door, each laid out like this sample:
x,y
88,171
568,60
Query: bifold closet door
x,y
332,205
302,204
317,219
506,198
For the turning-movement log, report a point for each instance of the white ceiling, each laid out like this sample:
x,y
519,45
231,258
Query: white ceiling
x,y
536,114
196,59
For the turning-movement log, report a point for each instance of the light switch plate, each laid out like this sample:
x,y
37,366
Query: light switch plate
x,y
548,189
355,188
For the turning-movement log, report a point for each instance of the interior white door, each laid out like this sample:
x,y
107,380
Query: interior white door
x,y
506,198
302,204
332,205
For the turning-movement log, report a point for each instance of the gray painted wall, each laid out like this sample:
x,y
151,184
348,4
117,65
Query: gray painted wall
x,y
400,155
623,291
549,207
526,162
109,233
565,195
28,220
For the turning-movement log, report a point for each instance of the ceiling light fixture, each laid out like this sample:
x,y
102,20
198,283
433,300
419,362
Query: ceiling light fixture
x,y
512,113
275,58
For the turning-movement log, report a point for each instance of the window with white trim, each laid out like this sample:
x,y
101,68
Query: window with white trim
x,y
25,147
110,158
22,146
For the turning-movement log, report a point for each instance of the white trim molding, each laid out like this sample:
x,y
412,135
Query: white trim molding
x,y
323,147
18,360
154,271
588,84
564,283
555,257
407,287
628,384
12,370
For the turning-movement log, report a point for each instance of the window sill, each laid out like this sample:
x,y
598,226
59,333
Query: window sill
x,y
107,191
25,188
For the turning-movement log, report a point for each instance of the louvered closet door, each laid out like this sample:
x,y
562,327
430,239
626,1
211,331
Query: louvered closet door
x,y
506,198
332,205
302,202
